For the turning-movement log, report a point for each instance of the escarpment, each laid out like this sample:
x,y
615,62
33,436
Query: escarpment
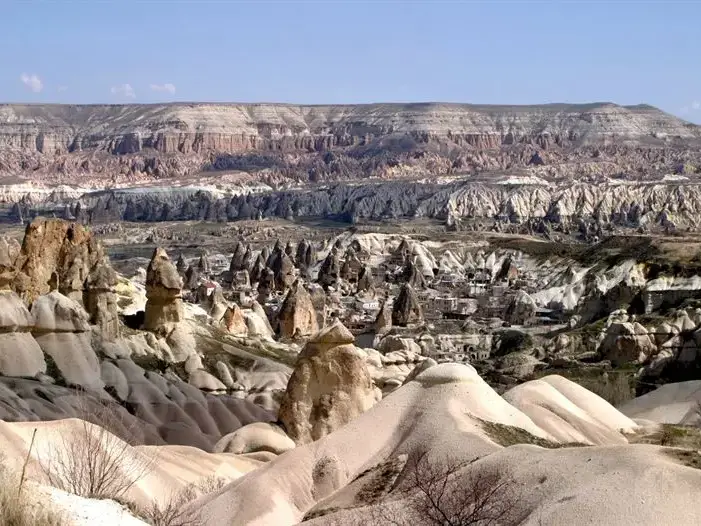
x,y
581,166
313,143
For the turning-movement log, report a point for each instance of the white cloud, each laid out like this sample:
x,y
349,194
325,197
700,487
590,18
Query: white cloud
x,y
61,88
696,105
168,87
32,82
124,90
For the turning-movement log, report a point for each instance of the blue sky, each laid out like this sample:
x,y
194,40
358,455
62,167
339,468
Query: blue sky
x,y
351,51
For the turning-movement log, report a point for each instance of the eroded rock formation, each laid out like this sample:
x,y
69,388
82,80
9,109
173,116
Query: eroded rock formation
x,y
164,307
330,386
406,309
297,317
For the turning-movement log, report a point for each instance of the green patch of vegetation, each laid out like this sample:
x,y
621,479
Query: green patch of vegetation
x,y
316,513
506,436
615,386
380,479
689,458
217,345
150,362
53,371
671,436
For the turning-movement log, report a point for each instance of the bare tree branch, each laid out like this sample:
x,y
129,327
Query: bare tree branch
x,y
91,461
450,492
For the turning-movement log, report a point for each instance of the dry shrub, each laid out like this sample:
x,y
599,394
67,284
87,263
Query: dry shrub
x,y
446,493
175,512
90,461
17,507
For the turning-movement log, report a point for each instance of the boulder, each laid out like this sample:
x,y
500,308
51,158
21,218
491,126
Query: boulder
x,y
164,304
626,343
392,343
258,436
330,386
297,317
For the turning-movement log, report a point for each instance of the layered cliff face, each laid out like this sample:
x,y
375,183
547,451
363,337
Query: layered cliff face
x,y
634,205
631,166
283,143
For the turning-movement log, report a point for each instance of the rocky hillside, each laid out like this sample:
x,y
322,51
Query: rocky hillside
x,y
286,143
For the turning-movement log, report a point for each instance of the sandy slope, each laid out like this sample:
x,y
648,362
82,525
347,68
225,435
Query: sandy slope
x,y
441,411
676,403
78,511
169,468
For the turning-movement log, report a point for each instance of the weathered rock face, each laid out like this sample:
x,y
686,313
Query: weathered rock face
x,y
365,281
100,300
259,436
181,265
9,250
63,256
508,271
297,317
521,309
58,252
383,321
266,283
164,305
329,387
234,322
351,266
330,269
20,354
257,269
406,309
203,264
286,144
283,268
186,134
303,255
412,275
62,330
191,279
237,260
